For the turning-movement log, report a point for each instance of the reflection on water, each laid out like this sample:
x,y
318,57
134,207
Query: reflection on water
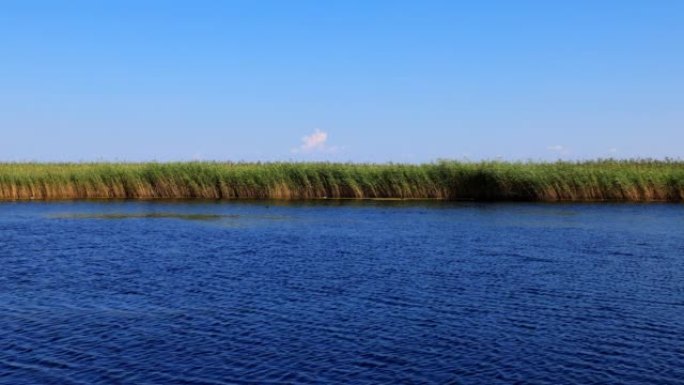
x,y
340,292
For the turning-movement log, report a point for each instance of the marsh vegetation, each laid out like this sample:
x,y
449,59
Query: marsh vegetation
x,y
600,180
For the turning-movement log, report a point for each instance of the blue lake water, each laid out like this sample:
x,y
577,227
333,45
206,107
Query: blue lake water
x,y
341,293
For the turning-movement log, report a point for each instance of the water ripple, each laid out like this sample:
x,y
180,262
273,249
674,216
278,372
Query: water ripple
x,y
258,294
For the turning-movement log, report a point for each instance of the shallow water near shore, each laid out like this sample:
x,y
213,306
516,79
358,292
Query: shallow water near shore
x,y
341,292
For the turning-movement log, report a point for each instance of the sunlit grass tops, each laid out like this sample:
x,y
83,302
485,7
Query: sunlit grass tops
x,y
630,180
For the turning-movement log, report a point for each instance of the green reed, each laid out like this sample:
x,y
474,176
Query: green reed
x,y
619,180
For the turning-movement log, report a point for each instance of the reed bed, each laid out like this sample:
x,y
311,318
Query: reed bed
x,y
600,180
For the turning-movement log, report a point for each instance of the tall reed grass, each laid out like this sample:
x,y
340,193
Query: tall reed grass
x,y
600,180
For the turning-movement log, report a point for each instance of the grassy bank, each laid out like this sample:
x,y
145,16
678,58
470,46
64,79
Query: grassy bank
x,y
641,180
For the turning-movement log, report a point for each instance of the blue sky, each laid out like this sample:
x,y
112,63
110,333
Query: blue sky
x,y
402,81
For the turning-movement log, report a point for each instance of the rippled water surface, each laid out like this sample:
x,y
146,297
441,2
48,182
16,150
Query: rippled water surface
x,y
353,293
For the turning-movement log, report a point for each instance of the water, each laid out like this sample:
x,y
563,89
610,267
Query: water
x,y
353,293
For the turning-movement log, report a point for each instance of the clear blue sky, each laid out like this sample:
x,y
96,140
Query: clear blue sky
x,y
403,81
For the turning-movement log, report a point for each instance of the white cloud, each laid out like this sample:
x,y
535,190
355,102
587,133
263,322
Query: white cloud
x,y
613,150
559,149
315,142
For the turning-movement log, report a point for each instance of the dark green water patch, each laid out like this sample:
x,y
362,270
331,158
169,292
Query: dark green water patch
x,y
189,217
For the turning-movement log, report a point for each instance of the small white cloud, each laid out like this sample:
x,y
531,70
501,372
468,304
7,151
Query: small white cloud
x,y
613,150
315,142
561,150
